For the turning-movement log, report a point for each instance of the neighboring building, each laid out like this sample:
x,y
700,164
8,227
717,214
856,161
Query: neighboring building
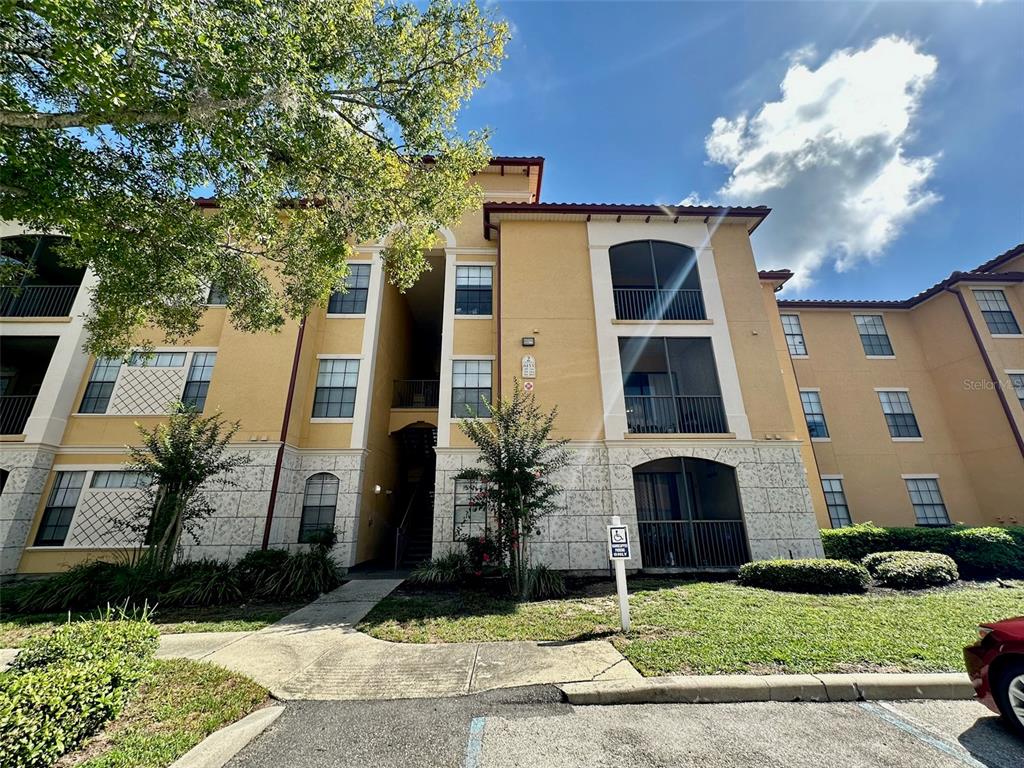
x,y
648,326
916,407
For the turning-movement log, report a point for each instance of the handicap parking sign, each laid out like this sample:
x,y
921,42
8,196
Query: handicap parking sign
x,y
618,542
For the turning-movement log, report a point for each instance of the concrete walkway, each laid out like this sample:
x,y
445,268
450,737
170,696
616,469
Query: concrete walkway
x,y
315,653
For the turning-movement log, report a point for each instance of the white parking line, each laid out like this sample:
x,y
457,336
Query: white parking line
x,y
895,718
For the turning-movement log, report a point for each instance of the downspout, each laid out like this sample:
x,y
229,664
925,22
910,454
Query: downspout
x,y
284,434
991,370
497,230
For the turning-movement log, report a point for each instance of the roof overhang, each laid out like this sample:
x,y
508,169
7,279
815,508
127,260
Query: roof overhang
x,y
495,213
777,277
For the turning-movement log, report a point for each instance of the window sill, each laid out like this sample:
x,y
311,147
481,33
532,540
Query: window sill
x,y
40,319
680,435
331,420
1008,335
474,317
346,316
798,357
821,439
880,357
908,439
617,321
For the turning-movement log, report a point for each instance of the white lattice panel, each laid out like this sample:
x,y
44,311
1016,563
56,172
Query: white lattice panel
x,y
98,518
142,390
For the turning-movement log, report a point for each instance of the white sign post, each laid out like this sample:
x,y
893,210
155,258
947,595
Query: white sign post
x,y
618,553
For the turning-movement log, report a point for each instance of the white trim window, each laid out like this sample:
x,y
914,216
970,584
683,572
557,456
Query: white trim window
x,y
157,359
925,496
899,414
60,509
101,385
471,388
474,293
997,313
118,479
794,335
335,396
198,382
1017,382
319,506
810,399
351,300
470,514
873,335
835,502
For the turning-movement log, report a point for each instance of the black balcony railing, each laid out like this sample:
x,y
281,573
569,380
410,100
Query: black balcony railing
x,y
659,304
37,301
666,414
416,393
693,543
14,412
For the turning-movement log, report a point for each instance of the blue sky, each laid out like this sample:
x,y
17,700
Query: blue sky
x,y
891,148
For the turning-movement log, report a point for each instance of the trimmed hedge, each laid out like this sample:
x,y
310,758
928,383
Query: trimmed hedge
x,y
911,570
815,576
978,552
62,688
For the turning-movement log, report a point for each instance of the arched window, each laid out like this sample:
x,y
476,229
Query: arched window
x,y
655,280
319,503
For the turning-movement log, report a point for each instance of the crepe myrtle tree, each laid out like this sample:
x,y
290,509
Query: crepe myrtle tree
x,y
178,458
316,126
517,460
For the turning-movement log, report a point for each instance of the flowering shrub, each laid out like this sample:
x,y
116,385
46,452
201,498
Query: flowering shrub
x,y
484,555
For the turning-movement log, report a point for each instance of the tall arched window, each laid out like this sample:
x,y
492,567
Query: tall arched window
x,y
319,503
655,280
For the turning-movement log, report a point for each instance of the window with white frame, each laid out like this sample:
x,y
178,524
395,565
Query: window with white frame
x,y
319,504
835,502
899,415
470,512
60,508
336,389
996,311
873,336
117,479
473,290
157,359
471,388
198,382
794,335
100,386
352,300
929,508
1017,382
813,412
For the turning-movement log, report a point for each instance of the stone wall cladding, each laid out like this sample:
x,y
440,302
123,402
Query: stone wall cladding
x,y
28,467
774,494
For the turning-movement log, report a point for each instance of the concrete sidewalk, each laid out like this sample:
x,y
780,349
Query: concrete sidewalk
x,y
315,653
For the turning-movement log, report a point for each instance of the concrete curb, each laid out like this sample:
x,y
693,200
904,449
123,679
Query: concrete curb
x,y
220,746
720,689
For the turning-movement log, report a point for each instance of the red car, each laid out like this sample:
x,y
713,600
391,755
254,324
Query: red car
x,y
996,666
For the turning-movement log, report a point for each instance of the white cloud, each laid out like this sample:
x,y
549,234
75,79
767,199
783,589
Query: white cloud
x,y
829,157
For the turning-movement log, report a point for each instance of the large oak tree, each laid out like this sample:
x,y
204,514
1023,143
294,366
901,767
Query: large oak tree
x,y
114,113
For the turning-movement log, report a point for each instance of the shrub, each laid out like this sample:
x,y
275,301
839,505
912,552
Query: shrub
x,y
209,582
911,570
987,552
814,576
451,568
981,552
63,687
303,574
258,567
484,554
542,583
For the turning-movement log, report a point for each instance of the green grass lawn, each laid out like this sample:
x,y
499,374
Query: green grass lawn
x,y
181,703
719,627
16,630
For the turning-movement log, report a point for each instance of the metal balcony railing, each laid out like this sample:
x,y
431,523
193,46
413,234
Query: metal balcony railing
x,y
693,543
416,393
659,304
14,412
667,414
37,301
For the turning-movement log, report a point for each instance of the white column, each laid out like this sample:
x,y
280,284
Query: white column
x,y
368,361
444,403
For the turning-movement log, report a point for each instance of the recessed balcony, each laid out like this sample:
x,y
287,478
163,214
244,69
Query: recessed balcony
x,y
49,291
659,304
668,414
416,393
654,280
23,364
37,300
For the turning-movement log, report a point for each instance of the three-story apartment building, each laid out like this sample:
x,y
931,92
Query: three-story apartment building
x,y
648,326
